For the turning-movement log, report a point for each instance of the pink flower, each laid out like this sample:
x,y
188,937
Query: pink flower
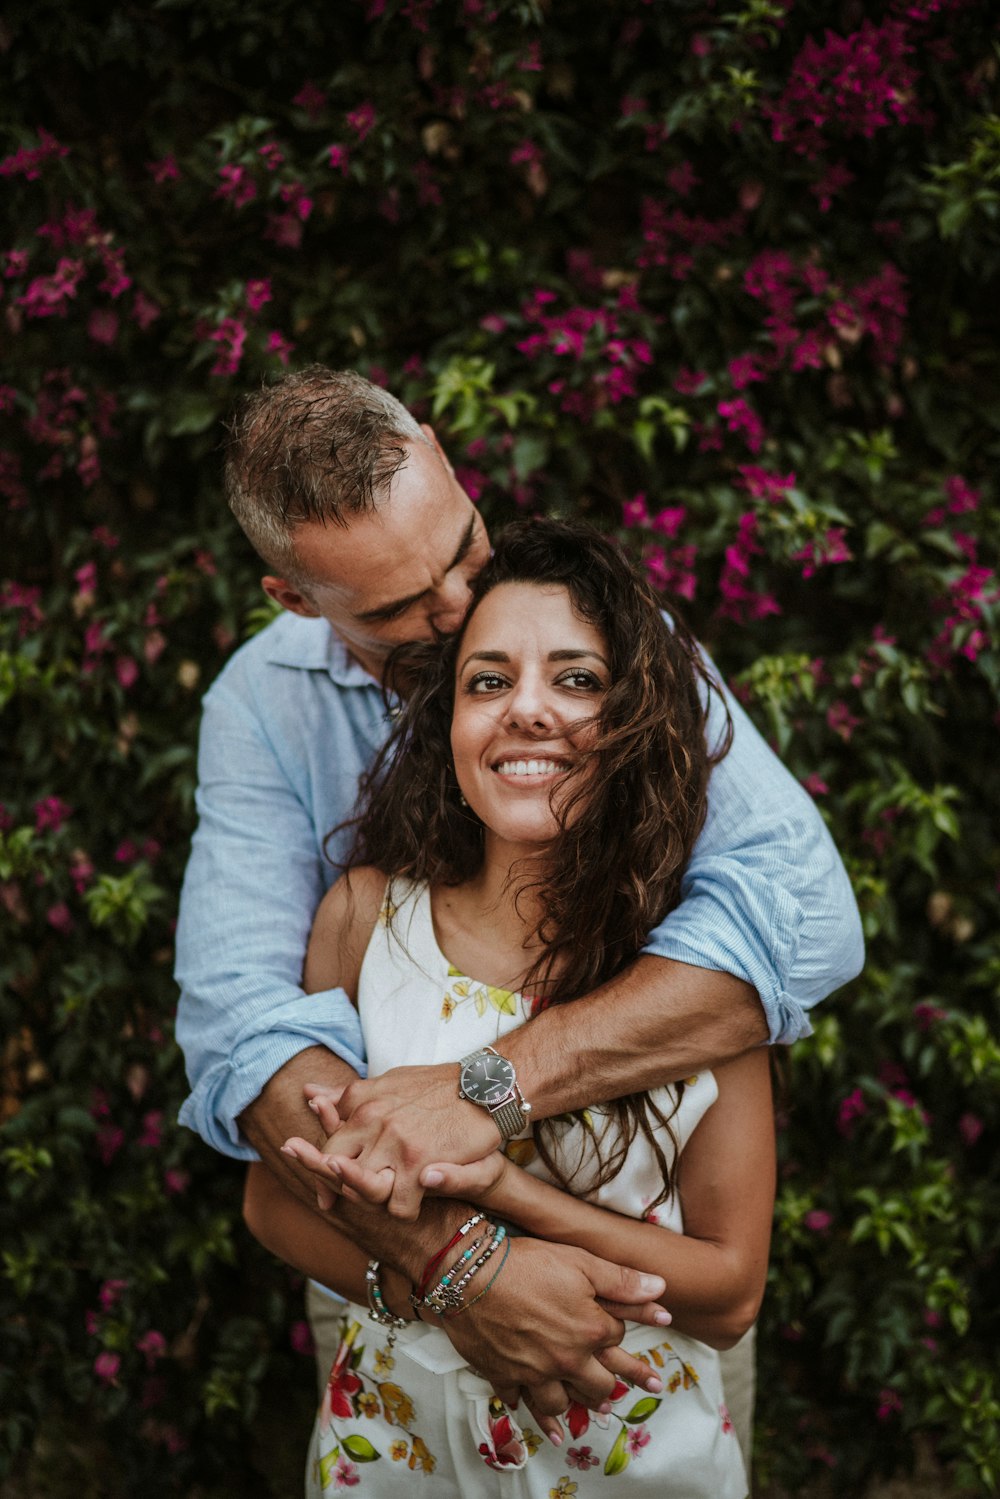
x,y
27,161
279,345
856,85
927,1015
970,1127
165,170
745,370
841,721
258,292
126,672
111,1293
152,1129
582,1457
271,154
340,158
106,1366
237,185
81,870
637,1438
311,99
176,1182
852,1107
815,785
740,417
362,119
298,200
634,512
47,296
669,520
346,1475
144,310
889,1405
818,1221
50,814
822,552
726,1418
152,1345
230,336
59,918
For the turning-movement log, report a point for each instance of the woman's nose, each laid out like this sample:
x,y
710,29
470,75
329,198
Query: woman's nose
x,y
529,708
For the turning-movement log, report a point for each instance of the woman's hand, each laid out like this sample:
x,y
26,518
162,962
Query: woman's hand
x,y
484,1182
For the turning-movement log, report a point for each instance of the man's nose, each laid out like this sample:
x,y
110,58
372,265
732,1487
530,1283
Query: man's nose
x,y
451,603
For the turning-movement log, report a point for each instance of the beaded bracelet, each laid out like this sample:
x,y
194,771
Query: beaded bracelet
x,y
447,1294
377,1309
435,1261
480,1294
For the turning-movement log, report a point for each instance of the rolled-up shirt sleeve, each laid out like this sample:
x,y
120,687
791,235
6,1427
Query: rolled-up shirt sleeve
x,y
253,882
765,896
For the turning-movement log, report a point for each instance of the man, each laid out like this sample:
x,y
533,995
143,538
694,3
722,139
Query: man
x,y
372,541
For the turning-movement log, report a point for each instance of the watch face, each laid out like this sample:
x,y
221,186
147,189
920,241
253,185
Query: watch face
x,y
487,1079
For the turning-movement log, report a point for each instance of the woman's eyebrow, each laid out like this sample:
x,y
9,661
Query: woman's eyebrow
x,y
566,654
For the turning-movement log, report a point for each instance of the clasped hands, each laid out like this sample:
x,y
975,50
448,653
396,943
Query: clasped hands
x,y
559,1311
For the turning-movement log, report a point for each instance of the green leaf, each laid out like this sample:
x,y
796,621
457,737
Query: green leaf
x,y
361,1449
642,1410
618,1456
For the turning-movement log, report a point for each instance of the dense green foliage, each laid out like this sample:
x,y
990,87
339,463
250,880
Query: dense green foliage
x,y
718,278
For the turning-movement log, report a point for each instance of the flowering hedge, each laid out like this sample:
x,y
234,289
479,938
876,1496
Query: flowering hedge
x,y
716,278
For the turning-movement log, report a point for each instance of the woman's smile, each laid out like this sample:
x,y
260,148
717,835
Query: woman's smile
x,y
530,678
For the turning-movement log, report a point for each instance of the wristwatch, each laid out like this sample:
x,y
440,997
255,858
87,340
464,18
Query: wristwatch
x,y
489,1079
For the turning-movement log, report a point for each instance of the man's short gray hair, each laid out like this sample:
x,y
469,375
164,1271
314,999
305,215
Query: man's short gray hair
x,y
317,445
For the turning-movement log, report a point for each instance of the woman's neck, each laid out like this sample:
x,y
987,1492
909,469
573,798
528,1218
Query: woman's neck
x,y
486,926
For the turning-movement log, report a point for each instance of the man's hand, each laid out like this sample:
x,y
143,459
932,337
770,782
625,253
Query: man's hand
x,y
542,1334
401,1122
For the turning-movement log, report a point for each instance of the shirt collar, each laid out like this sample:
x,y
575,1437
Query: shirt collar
x,y
311,645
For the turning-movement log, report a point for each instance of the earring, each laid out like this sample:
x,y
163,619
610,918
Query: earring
x,y
461,800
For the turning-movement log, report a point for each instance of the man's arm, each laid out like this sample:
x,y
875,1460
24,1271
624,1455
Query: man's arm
x,y
253,881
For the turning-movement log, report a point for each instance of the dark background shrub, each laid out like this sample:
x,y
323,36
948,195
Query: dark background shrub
x,y
723,280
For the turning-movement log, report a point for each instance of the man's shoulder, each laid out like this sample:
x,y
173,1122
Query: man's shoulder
x,y
289,641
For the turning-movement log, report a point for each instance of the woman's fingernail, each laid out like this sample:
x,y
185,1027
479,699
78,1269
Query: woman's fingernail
x,y
662,1318
555,1437
433,1178
653,1384
605,1409
314,1105
289,1150
333,1166
652,1285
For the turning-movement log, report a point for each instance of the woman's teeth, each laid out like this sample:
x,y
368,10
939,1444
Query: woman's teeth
x,y
529,767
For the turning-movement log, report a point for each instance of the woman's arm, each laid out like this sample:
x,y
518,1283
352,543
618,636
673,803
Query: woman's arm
x,y
715,1271
312,1245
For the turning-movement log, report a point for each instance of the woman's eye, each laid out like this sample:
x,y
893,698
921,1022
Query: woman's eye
x,y
583,681
486,681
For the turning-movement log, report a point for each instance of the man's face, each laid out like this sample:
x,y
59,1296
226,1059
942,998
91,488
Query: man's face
x,y
399,573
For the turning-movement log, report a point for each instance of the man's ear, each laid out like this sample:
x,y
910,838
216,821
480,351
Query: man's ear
x,y
289,597
431,436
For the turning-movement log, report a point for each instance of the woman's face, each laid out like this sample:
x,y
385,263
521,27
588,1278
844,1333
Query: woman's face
x,y
528,668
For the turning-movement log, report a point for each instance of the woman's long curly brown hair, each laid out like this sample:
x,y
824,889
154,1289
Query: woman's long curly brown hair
x,y
625,835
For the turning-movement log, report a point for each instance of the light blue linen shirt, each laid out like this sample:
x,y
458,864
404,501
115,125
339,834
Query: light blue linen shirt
x,y
289,726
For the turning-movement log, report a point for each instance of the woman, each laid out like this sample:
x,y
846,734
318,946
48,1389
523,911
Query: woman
x,y
527,825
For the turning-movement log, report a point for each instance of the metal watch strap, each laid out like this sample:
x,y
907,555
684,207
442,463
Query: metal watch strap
x,y
509,1118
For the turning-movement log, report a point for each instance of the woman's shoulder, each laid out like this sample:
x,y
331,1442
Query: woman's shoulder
x,y
342,929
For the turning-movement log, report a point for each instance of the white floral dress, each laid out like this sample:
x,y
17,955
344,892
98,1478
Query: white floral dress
x,y
416,1416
